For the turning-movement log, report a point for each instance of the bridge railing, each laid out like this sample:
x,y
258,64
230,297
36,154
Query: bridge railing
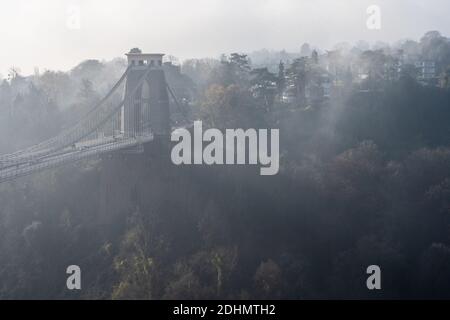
x,y
68,157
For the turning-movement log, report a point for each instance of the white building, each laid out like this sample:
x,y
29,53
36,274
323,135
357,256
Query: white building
x,y
426,70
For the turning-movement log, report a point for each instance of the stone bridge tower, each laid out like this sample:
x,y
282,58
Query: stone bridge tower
x,y
148,110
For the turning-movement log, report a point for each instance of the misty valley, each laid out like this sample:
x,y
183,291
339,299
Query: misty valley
x,y
344,167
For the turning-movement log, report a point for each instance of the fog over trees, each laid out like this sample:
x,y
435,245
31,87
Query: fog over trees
x,y
364,180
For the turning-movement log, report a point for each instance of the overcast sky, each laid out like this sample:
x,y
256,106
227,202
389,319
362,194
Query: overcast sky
x,y
46,33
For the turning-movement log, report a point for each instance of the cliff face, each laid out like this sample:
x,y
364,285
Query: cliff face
x,y
131,180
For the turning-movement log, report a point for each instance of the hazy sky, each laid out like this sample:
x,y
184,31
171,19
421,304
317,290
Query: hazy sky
x,y
45,33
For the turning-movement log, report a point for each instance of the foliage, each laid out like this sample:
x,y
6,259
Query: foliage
x,y
364,179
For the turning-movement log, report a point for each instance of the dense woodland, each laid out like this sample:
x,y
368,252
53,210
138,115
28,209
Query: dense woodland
x,y
364,179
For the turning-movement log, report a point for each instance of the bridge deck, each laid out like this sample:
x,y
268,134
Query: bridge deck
x,y
81,150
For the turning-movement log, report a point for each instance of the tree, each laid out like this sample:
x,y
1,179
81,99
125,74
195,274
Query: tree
x,y
298,76
315,57
88,69
58,87
281,81
445,78
268,280
264,86
233,69
5,99
87,93
305,50
231,107
373,63
436,47
13,73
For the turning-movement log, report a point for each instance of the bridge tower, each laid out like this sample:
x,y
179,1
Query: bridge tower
x,y
148,109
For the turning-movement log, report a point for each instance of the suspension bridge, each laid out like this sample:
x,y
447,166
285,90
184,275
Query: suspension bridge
x,y
132,113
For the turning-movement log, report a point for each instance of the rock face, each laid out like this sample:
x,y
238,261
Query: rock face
x,y
129,181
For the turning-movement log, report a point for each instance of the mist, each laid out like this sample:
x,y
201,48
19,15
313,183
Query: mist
x,y
57,35
359,150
